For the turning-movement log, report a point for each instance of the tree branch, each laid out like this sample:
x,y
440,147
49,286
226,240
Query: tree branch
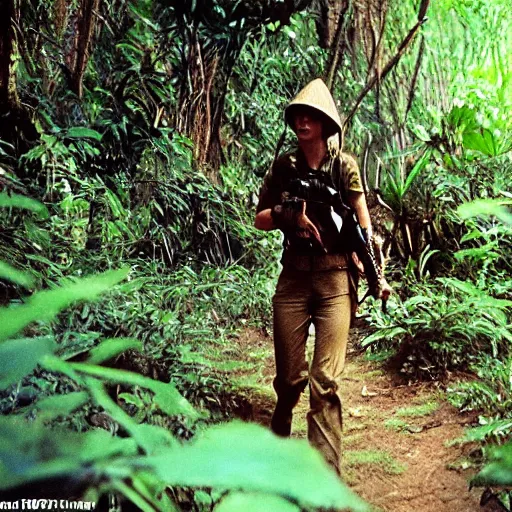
x,y
414,78
337,47
387,69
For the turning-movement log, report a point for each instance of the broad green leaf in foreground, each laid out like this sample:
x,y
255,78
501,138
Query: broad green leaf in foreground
x,y
52,407
15,276
482,140
151,438
111,348
31,451
45,305
250,458
19,357
167,397
255,502
24,203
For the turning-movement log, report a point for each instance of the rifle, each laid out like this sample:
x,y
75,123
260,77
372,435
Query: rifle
x,y
318,188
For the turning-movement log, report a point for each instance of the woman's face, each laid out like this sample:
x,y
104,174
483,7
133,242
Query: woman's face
x,y
308,125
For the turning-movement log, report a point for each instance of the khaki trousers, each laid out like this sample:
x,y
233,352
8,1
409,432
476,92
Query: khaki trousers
x,y
321,298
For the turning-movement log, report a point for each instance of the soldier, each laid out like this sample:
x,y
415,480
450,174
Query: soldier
x,y
314,285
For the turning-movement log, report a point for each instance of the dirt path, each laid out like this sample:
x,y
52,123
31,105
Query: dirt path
x,y
397,437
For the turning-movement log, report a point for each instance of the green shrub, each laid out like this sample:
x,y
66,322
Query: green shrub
x,y
445,325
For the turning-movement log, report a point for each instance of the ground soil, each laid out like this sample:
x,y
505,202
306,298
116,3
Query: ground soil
x,y
400,454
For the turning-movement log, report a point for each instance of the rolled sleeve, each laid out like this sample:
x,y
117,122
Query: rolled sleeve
x,y
273,184
269,195
350,175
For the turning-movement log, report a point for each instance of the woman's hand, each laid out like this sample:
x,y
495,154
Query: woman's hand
x,y
306,229
385,289
289,217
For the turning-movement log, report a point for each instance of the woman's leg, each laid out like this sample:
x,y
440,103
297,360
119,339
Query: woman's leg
x,y
331,316
291,324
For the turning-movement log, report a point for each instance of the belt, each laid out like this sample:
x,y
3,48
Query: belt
x,y
313,262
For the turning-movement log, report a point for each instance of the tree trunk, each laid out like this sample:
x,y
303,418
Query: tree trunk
x,y
16,126
334,37
200,109
328,21
83,41
8,56
207,127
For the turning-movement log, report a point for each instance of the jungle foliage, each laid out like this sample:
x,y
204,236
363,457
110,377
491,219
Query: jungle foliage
x,y
146,459
133,136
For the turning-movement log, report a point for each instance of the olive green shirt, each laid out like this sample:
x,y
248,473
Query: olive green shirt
x,y
345,177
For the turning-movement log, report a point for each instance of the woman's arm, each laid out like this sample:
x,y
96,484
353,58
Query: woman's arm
x,y
358,203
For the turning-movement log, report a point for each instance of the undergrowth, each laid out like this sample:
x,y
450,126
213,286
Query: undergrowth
x,y
88,410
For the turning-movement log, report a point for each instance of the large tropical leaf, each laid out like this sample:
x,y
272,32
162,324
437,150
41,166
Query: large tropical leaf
x,y
30,452
255,502
499,469
250,458
166,397
111,348
487,207
15,276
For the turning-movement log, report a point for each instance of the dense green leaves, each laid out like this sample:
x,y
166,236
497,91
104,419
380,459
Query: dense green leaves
x,y
32,452
15,276
275,470
166,395
446,324
53,407
22,202
45,305
150,438
487,207
39,453
111,348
